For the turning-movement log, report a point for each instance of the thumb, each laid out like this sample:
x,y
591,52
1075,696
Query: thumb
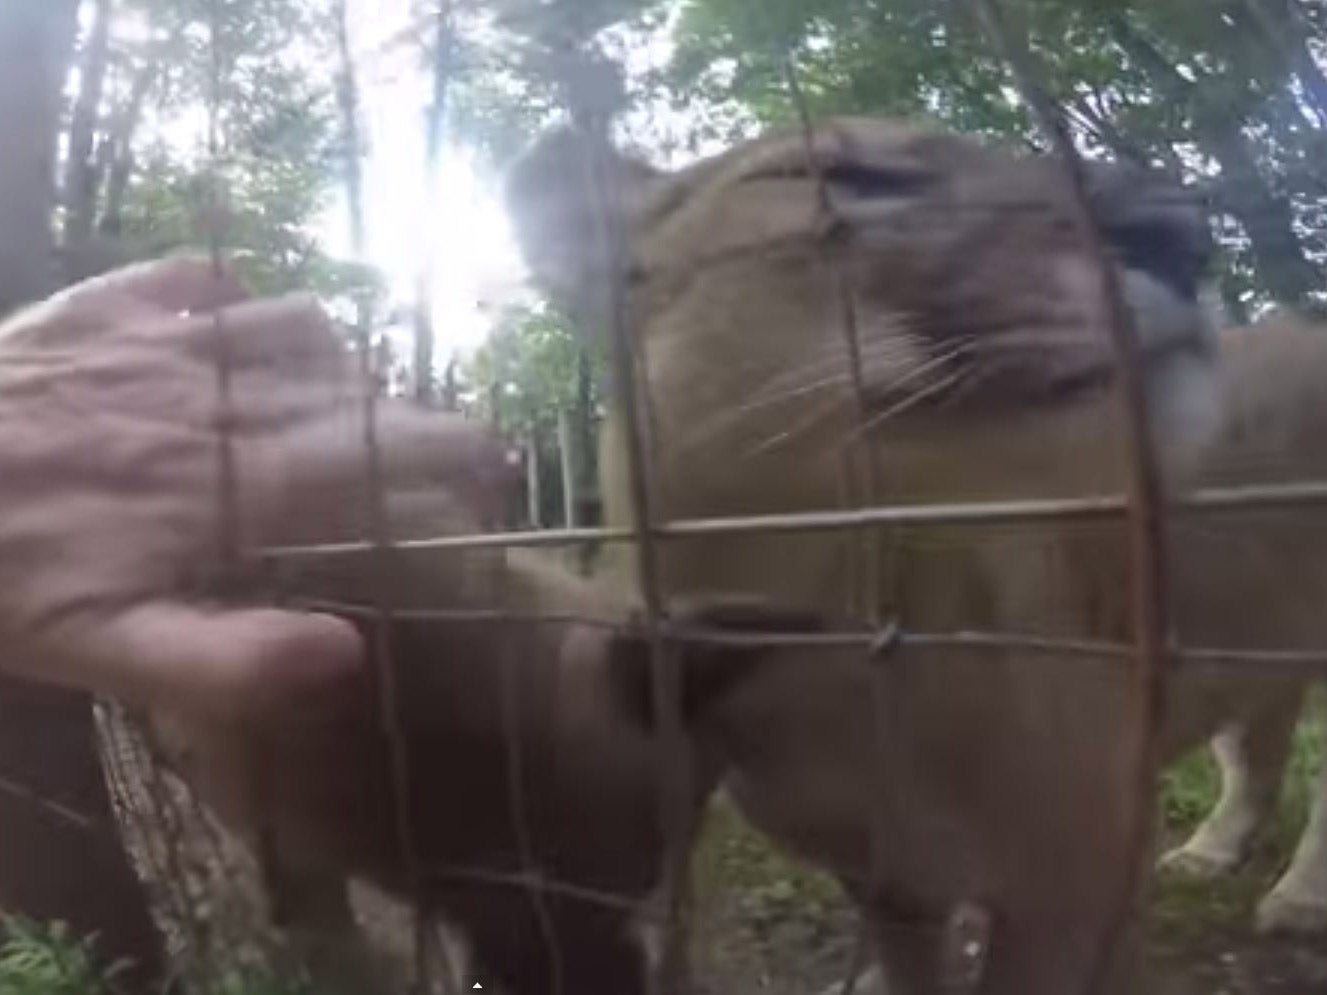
x,y
236,665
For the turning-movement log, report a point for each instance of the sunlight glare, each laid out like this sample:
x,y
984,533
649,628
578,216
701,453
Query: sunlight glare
x,y
476,264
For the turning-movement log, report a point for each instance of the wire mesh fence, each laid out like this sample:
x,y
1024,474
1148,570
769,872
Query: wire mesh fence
x,y
154,806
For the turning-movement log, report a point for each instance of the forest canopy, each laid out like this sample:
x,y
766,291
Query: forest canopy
x,y
1228,96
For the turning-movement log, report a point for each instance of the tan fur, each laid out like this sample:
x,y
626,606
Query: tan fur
x,y
1238,580
1004,779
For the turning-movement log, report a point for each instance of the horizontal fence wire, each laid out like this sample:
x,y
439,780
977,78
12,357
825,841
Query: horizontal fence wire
x,y
655,626
59,811
1188,659
536,882
430,873
1087,508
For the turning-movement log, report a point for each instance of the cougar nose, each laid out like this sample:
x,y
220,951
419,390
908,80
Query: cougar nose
x,y
1154,225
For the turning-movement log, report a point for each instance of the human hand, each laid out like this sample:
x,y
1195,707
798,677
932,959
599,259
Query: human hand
x,y
109,486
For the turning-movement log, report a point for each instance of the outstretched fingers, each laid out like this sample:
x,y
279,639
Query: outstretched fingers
x,y
326,460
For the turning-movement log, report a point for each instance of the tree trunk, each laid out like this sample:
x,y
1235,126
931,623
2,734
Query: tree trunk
x,y
80,177
121,145
567,462
347,96
35,40
533,496
51,868
1237,312
588,513
424,334
586,439
451,391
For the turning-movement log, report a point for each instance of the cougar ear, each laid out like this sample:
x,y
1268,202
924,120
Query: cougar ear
x,y
550,198
709,670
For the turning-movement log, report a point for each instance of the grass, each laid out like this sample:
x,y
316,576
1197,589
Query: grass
x,y
764,922
1185,909
771,887
38,959
47,959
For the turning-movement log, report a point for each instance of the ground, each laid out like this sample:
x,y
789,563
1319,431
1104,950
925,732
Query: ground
x,y
764,924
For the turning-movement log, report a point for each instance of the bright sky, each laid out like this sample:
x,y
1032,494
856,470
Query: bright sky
x,y
476,260
475,257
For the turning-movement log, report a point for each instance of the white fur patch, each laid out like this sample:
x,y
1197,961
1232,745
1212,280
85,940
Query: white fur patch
x,y
1185,397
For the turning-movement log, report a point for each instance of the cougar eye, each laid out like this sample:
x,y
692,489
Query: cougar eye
x,y
863,181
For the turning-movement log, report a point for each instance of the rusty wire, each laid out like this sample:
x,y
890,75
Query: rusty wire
x,y
866,582
59,810
1144,505
126,757
537,881
1147,516
384,664
226,582
535,887
1191,660
382,659
227,525
673,745
974,513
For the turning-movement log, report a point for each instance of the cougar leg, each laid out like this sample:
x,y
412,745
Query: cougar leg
x,y
1251,756
594,948
1298,902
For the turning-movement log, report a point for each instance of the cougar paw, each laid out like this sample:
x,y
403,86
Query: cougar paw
x,y
1292,914
1199,863
870,982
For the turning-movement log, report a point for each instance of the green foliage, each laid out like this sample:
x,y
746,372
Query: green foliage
x,y
1185,909
1201,89
40,959
1189,788
511,65
526,372
255,983
47,959
771,886
531,369
280,151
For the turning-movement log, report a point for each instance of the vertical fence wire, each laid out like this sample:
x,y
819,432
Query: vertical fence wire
x,y
383,661
228,536
1146,504
673,744
1148,526
387,673
864,482
518,803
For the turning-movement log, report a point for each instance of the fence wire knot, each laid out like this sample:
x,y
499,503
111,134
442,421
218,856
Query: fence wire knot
x,y
885,642
964,948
